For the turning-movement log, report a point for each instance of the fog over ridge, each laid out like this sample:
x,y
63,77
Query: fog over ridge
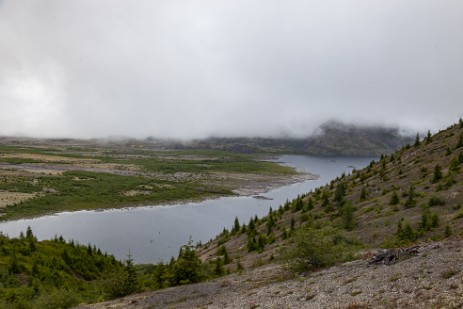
x,y
195,69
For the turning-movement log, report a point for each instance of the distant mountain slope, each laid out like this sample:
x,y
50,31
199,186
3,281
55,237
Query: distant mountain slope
x,y
331,139
340,139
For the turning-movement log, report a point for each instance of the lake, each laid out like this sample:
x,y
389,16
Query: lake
x,y
154,233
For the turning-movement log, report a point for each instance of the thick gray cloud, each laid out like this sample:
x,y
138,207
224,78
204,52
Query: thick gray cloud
x,y
185,69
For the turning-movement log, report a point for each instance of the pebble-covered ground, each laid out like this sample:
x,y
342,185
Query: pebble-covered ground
x,y
431,279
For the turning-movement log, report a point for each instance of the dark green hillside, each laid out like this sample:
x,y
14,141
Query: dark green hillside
x,y
55,274
412,195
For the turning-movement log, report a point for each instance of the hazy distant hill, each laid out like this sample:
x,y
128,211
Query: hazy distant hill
x,y
339,139
331,139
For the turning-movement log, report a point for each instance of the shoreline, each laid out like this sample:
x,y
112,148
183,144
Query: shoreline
x,y
239,184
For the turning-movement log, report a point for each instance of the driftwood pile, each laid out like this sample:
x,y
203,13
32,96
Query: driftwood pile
x,y
390,256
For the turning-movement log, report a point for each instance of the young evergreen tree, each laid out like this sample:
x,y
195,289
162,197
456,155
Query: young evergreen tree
x,y
448,231
251,226
159,274
310,204
417,140
347,211
339,193
239,267
460,141
284,233
429,137
437,173
448,151
404,231
186,269
363,194
226,257
218,270
410,202
236,226
270,224
261,241
293,223
454,165
252,245
29,234
131,283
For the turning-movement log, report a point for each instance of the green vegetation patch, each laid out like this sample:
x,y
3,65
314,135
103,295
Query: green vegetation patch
x,y
54,273
75,190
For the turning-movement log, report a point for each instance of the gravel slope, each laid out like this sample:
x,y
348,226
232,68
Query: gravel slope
x,y
431,279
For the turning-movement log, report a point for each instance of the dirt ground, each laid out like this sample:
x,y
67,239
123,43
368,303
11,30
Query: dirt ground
x,y
11,198
431,279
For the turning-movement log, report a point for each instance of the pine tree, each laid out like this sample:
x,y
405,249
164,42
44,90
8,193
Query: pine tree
x,y
239,267
159,274
429,137
29,234
251,226
261,241
251,243
410,202
131,284
226,257
448,230
339,193
284,233
437,173
404,231
310,204
218,270
363,194
270,224
236,226
348,216
460,142
417,140
454,164
187,267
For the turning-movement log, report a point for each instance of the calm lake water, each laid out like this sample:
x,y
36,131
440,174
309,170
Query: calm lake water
x,y
155,233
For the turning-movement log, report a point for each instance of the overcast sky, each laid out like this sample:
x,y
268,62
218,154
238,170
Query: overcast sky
x,y
191,69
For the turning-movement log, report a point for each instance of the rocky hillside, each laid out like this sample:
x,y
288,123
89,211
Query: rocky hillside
x,y
433,278
413,196
418,189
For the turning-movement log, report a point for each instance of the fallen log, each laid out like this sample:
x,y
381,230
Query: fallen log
x,y
390,256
